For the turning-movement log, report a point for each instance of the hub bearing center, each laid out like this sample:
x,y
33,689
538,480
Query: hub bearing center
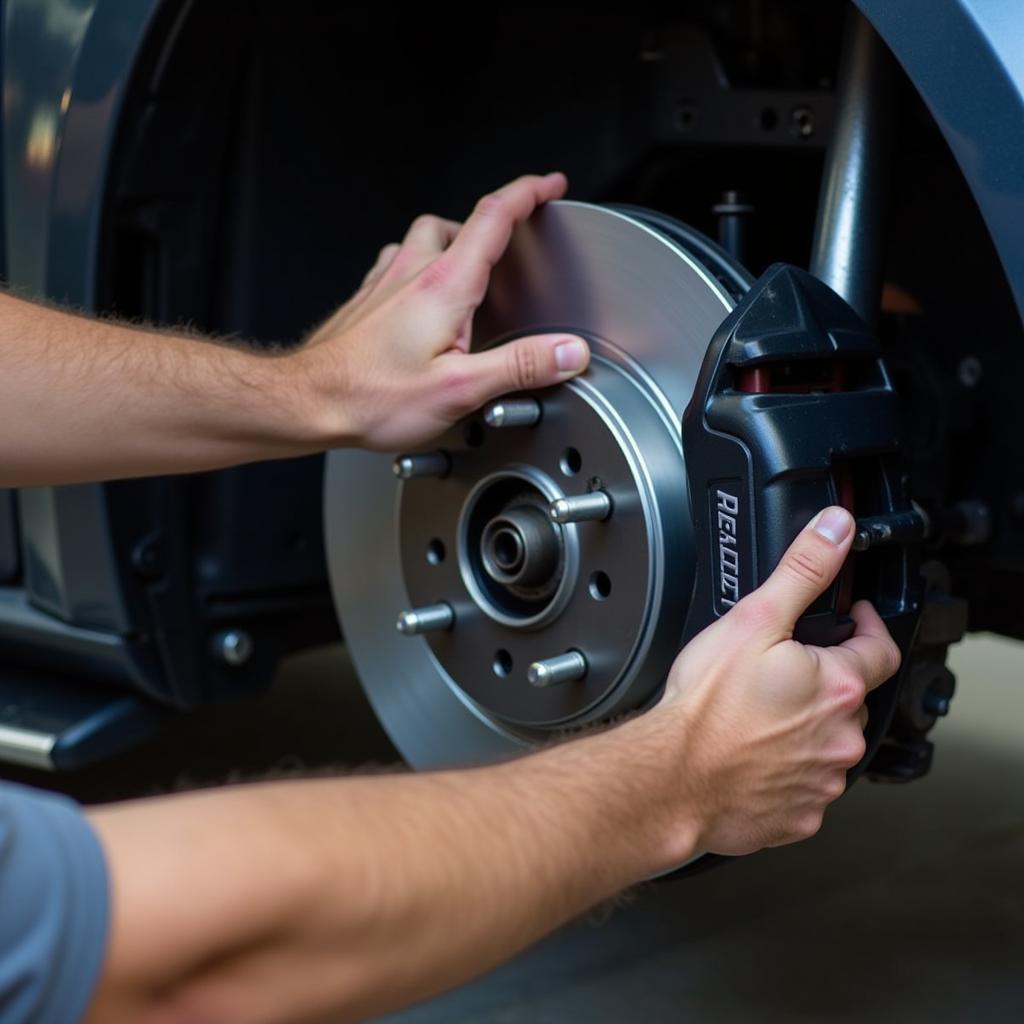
x,y
521,548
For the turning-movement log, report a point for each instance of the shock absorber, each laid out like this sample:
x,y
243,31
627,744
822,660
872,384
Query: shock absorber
x,y
847,247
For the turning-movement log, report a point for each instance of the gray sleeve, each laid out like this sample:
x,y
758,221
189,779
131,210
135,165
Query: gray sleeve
x,y
53,908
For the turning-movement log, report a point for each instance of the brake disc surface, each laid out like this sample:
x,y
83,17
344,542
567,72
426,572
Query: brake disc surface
x,y
648,294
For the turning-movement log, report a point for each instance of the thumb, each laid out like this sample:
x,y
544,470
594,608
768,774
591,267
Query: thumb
x,y
806,570
537,361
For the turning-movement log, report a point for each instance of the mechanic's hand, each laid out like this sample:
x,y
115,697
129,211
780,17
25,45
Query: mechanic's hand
x,y
392,366
771,725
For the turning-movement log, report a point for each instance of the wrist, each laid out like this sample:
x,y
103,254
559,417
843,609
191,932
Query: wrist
x,y
296,407
643,818
321,410
656,743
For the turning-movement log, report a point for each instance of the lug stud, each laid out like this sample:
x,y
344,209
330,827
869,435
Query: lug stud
x,y
407,467
581,508
513,412
427,619
564,668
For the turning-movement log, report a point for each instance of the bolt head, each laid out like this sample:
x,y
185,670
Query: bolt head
x,y
234,647
936,703
969,371
494,415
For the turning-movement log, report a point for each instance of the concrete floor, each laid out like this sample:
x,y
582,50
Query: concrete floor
x,y
909,906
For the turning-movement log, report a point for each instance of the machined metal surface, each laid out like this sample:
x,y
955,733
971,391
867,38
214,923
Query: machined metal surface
x,y
847,250
563,668
529,593
513,412
593,507
422,620
408,467
233,647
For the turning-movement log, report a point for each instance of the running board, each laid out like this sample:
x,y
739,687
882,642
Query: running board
x,y
55,723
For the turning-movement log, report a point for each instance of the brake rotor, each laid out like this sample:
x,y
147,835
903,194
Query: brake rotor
x,y
592,606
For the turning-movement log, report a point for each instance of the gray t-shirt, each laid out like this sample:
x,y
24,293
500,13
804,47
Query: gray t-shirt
x,y
53,908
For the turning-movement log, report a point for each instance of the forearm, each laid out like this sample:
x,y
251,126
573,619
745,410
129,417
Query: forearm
x,y
88,399
295,900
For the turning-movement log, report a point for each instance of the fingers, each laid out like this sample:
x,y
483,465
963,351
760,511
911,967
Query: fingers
x,y
538,361
345,313
486,233
429,236
873,647
384,260
805,572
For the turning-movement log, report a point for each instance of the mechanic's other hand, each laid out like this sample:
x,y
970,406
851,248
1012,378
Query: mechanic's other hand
x,y
771,725
392,369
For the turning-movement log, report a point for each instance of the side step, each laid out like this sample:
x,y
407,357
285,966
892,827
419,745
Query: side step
x,y
62,724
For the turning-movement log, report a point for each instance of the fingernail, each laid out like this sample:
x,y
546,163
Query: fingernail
x,y
834,524
571,355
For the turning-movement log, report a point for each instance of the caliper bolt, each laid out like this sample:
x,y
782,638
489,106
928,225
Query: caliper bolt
x,y
564,668
406,467
513,412
426,619
905,527
581,508
233,647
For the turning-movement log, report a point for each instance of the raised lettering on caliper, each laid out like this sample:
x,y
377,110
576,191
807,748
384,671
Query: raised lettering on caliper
x,y
728,553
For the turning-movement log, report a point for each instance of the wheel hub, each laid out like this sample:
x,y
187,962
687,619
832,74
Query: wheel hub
x,y
542,552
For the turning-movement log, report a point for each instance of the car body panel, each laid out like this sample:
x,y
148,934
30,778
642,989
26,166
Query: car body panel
x,y
966,58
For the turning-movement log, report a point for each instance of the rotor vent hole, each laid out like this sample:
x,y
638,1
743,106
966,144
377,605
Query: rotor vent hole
x,y
502,663
436,551
571,461
600,586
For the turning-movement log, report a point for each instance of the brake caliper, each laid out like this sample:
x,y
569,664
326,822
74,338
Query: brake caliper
x,y
795,410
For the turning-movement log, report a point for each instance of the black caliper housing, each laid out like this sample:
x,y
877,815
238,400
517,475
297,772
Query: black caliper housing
x,y
795,410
